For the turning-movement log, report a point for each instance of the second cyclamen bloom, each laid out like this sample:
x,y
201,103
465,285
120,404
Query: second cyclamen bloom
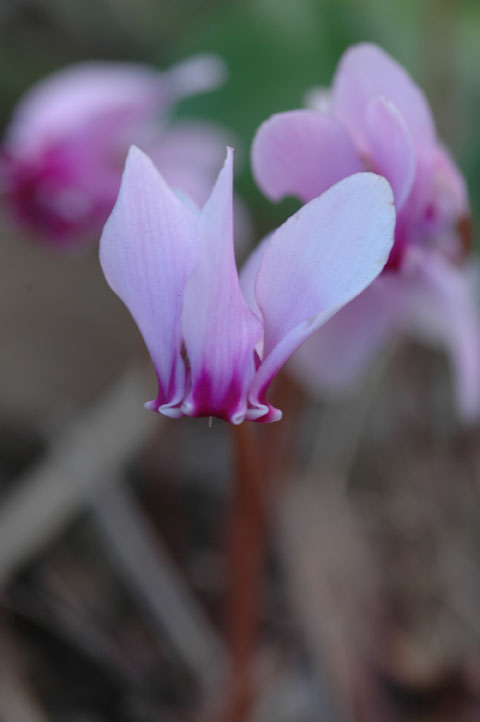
x,y
62,156
217,342
376,118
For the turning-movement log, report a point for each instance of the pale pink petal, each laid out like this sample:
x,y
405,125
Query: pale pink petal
x,y
319,260
447,200
412,214
391,151
336,357
450,182
248,275
318,99
147,252
437,202
79,97
366,71
219,329
189,155
92,96
441,308
301,153
197,74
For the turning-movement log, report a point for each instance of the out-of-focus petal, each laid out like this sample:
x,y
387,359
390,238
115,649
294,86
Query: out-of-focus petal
x,y
198,74
219,329
319,260
302,153
79,99
189,155
392,153
147,252
447,201
318,98
441,308
450,182
366,71
335,358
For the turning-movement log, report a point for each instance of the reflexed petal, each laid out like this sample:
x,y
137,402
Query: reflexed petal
x,y
318,99
302,153
189,155
319,260
198,74
438,199
391,147
248,275
441,308
449,199
366,71
337,356
147,252
219,329
82,97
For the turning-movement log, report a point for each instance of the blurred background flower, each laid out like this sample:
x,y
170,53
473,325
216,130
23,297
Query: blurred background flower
x,y
67,140
376,118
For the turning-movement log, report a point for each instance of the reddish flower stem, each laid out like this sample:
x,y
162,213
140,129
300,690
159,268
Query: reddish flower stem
x,y
246,557
258,478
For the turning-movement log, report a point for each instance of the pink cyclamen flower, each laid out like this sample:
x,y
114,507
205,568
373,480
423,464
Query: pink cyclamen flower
x,y
217,343
65,147
375,117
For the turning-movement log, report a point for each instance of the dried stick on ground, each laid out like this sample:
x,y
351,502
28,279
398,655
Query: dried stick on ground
x,y
94,450
46,499
327,573
153,578
17,704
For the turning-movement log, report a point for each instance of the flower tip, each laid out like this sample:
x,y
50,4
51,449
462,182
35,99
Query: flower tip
x,y
139,165
198,74
226,171
134,153
135,159
365,48
215,69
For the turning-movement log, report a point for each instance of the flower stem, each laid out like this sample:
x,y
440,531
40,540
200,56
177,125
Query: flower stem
x,y
246,557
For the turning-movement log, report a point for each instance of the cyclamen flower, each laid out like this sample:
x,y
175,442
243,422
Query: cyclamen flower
x,y
215,347
375,117
65,147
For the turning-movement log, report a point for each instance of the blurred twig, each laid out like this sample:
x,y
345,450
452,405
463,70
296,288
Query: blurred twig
x,y
17,703
153,578
341,426
286,695
311,526
46,499
95,447
71,626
